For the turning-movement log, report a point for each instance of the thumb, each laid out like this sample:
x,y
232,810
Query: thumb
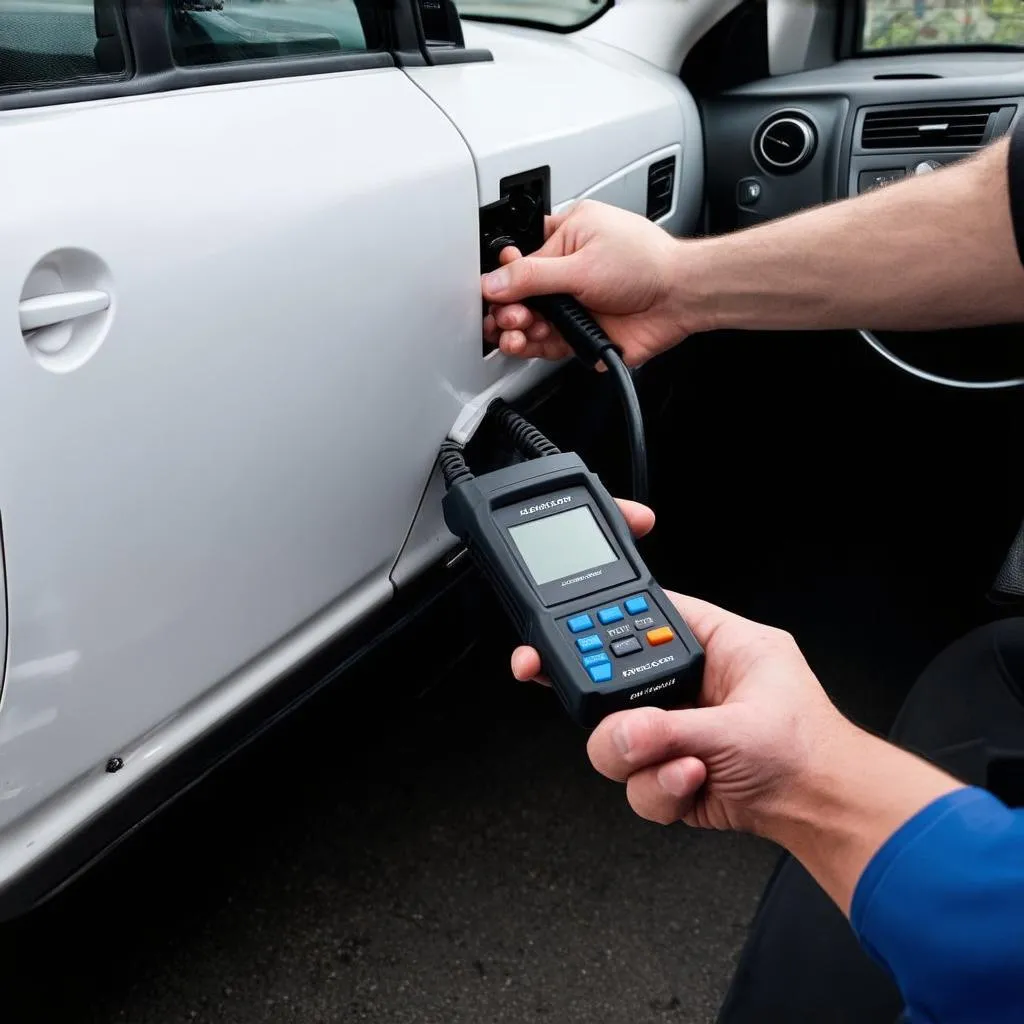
x,y
631,740
532,275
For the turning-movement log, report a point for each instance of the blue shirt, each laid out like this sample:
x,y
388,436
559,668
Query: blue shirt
x,y
941,905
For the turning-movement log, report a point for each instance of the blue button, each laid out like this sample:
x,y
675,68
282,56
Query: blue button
x,y
601,673
589,643
595,659
636,605
578,623
609,615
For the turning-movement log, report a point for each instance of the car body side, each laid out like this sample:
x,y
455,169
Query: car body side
x,y
240,470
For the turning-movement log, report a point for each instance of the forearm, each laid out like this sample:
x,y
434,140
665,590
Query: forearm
x,y
931,252
837,817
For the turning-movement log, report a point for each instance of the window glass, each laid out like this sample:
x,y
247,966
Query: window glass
x,y
58,42
219,31
899,24
560,13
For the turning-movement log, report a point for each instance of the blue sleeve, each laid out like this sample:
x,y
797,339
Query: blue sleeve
x,y
941,905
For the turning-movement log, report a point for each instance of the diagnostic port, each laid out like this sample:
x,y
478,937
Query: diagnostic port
x,y
516,218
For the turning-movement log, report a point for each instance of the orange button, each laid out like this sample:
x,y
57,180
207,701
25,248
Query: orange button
x,y
662,635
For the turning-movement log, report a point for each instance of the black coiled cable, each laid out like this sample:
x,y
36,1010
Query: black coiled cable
x,y
453,464
592,345
526,438
523,434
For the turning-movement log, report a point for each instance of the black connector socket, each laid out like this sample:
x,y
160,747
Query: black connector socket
x,y
517,218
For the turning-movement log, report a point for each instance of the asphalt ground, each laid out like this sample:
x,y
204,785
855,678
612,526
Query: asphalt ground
x,y
455,860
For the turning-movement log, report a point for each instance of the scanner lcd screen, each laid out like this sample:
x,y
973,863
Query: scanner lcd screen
x,y
562,545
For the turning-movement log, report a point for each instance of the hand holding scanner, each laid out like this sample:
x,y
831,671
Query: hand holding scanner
x,y
560,556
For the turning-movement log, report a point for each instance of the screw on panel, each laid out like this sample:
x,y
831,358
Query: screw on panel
x,y
115,764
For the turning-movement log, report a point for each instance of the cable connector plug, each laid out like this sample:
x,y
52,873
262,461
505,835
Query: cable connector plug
x,y
575,325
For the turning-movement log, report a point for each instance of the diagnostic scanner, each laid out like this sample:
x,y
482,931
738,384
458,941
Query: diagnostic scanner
x,y
560,556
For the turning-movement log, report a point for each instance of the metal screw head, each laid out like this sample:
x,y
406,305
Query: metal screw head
x,y
115,764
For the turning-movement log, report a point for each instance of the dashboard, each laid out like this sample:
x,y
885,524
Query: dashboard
x,y
779,145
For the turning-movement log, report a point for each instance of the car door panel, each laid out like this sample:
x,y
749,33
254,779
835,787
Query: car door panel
x,y
230,462
599,118
548,100
289,263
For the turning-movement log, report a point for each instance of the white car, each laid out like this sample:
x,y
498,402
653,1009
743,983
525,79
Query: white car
x,y
240,264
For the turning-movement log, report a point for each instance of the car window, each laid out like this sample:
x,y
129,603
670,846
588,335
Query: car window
x,y
58,42
902,24
559,13
219,31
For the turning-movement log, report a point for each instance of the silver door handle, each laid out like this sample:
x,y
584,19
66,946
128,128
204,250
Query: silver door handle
x,y
47,310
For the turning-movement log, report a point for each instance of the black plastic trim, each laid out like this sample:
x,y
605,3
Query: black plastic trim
x,y
1015,170
850,29
412,47
911,51
437,55
148,29
151,67
410,59
194,77
562,30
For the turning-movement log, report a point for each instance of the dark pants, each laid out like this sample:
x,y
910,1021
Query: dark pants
x,y
801,961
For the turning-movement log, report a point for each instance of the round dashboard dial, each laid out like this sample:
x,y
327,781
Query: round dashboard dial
x,y
785,143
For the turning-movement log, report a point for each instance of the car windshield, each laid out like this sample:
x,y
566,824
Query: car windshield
x,y
557,13
902,24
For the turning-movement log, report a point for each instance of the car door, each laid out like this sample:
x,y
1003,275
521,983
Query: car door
x,y
233,250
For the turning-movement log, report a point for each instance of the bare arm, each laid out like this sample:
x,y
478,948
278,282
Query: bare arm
x,y
841,813
934,251
930,252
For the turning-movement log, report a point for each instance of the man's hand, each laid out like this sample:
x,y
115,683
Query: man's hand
x,y
765,751
763,726
950,233
619,265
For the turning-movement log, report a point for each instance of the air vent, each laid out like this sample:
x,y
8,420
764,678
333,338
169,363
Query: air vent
x,y
931,128
661,183
904,76
785,143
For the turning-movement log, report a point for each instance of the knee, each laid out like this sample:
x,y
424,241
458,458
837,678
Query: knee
x,y
995,649
974,689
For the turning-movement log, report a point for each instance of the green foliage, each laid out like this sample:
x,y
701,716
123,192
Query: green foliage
x,y
891,24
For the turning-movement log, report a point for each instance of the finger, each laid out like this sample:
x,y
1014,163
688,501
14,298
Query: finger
x,y
533,275
554,348
639,518
517,344
513,343
666,793
513,318
631,740
491,331
552,222
526,666
525,663
705,618
508,254
538,332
